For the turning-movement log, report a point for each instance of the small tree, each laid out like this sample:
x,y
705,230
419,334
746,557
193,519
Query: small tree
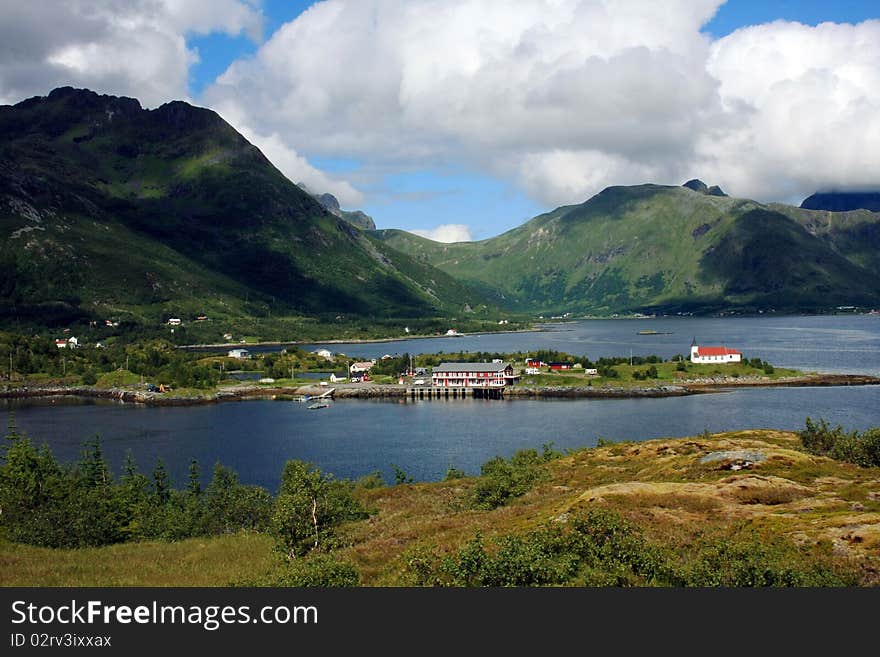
x,y
308,506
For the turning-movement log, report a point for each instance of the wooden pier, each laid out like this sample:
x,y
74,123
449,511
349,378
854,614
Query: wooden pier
x,y
454,392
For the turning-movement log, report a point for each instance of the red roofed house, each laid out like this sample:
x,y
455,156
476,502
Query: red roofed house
x,y
714,355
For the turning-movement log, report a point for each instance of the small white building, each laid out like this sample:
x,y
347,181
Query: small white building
x,y
714,355
363,366
174,321
324,353
239,353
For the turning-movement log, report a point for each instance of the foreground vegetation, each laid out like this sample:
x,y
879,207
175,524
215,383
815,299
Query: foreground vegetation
x,y
750,508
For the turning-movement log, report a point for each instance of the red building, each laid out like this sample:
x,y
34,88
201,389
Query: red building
x,y
473,375
560,366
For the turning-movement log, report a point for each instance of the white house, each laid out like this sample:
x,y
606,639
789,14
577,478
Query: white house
x,y
174,321
239,353
363,366
714,355
324,353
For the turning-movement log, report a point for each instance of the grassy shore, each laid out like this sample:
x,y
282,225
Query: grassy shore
x,y
789,508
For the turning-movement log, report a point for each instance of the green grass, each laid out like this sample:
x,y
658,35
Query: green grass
x,y
667,374
216,561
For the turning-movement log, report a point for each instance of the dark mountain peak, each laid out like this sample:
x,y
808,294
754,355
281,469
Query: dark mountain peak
x,y
839,201
331,204
329,201
85,100
183,116
699,186
62,109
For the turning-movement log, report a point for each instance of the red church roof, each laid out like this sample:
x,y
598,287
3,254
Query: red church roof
x,y
716,351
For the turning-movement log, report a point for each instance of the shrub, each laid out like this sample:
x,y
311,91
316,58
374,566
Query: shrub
x,y
315,570
600,548
502,480
852,447
453,473
308,507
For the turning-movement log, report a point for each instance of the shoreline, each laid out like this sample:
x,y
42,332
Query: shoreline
x,y
293,343
392,391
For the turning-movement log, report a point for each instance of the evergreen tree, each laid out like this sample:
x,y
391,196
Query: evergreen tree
x,y
161,483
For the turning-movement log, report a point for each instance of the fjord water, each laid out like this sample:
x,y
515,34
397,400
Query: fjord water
x,y
356,437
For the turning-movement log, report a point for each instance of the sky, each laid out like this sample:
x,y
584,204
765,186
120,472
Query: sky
x,y
460,119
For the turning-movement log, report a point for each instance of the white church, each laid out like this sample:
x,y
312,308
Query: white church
x,y
714,355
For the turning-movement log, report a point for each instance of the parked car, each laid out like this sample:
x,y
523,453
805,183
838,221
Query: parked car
x,y
419,382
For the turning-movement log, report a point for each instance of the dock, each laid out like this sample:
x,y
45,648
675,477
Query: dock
x,y
454,392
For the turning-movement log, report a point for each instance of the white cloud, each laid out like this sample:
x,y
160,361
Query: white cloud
x,y
802,109
489,83
288,161
447,233
123,47
568,96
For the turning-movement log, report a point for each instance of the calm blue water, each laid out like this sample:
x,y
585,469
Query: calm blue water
x,y
353,438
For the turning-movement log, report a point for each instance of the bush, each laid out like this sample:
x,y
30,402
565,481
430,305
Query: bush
x,y
502,480
308,507
316,570
453,473
852,447
600,548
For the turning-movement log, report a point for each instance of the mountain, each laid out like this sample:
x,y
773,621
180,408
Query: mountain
x,y
653,248
108,209
698,185
843,201
331,204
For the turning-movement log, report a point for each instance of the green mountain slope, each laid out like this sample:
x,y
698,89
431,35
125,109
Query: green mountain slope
x,y
660,248
109,208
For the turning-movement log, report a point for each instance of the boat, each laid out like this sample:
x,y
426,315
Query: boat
x,y
648,332
301,398
317,405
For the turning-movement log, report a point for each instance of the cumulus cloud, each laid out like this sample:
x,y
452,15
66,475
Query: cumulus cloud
x,y
568,96
801,109
447,233
495,84
124,47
